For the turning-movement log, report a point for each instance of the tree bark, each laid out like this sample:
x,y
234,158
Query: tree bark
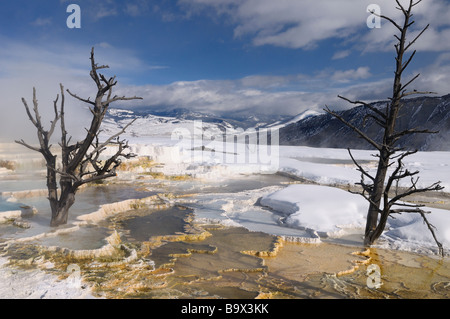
x,y
61,213
375,198
52,184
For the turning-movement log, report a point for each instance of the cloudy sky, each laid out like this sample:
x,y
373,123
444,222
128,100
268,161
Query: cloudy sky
x,y
218,56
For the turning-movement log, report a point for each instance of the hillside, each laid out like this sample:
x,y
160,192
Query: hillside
x,y
324,130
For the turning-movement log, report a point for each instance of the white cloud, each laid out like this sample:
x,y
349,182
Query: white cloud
x,y
258,94
303,24
132,9
271,82
435,77
350,75
294,24
341,54
136,7
433,40
41,22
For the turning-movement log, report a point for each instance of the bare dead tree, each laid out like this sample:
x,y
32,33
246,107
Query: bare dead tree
x,y
378,189
81,161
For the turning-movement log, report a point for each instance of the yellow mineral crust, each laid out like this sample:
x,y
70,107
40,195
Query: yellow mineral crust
x,y
267,253
357,263
297,260
159,201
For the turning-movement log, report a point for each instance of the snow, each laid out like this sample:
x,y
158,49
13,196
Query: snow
x,y
327,210
295,119
332,212
319,173
303,162
409,232
238,209
306,212
323,209
37,284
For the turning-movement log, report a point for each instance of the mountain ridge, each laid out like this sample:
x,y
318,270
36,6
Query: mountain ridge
x,y
324,130
309,128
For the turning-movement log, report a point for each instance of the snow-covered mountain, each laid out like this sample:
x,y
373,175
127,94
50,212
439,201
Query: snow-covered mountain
x,y
299,117
150,123
432,113
309,128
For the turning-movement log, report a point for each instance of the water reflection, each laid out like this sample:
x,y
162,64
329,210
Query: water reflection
x,y
149,223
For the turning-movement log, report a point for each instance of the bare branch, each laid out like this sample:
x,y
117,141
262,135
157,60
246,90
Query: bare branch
x,y
405,65
57,117
377,120
379,211
63,174
390,20
43,136
417,37
81,99
417,93
97,149
396,136
404,204
32,119
400,7
404,210
371,107
21,142
123,98
407,84
94,179
413,190
362,170
431,228
429,225
357,130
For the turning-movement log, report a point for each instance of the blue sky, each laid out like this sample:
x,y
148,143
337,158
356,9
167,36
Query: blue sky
x,y
218,56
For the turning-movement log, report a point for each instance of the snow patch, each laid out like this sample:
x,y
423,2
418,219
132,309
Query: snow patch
x,y
37,284
326,210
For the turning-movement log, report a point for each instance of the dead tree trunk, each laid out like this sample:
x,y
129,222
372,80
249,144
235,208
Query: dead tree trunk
x,y
80,161
379,188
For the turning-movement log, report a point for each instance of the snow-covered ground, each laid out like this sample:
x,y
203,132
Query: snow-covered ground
x,y
307,212
301,212
333,212
36,284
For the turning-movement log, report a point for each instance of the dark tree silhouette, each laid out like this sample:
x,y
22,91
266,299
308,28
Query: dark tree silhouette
x,y
381,190
80,161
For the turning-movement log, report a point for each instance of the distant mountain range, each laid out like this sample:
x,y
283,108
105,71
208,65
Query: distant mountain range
x,y
185,114
151,123
309,128
432,113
